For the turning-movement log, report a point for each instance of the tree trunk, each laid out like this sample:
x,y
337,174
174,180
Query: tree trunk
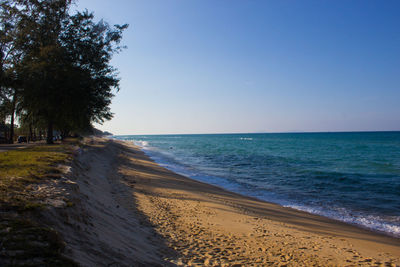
x,y
49,139
30,133
34,134
64,134
11,137
11,133
5,133
5,130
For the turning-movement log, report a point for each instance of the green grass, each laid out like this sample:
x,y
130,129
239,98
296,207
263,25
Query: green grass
x,y
35,162
21,168
24,242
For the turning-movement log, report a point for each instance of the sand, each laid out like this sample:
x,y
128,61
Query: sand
x,y
132,212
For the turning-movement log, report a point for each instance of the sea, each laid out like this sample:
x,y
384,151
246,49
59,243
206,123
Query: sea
x,y
353,177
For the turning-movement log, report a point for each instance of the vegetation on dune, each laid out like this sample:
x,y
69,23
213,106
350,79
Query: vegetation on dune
x,y
32,162
20,168
24,240
55,71
27,244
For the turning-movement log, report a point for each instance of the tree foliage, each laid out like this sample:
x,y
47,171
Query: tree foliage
x,y
56,66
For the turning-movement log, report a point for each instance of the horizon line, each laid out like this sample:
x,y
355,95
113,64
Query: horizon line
x,y
287,132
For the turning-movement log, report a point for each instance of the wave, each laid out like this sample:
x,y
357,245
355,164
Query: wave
x,y
141,143
371,222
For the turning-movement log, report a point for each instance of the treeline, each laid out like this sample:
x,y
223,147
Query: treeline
x,y
55,71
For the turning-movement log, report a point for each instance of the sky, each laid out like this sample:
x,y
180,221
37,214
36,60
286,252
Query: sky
x,y
230,66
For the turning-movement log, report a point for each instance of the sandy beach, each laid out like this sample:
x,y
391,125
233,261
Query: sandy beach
x,y
199,133
130,211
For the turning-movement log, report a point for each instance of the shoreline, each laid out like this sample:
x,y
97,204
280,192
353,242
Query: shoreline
x,y
339,234
218,187
130,211
148,153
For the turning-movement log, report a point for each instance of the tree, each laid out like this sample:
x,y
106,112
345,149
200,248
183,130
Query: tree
x,y
63,76
90,47
10,56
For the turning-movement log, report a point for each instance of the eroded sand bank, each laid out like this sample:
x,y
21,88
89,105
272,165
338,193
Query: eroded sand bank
x,y
137,212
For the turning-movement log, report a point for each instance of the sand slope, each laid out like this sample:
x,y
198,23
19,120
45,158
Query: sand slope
x,y
133,212
103,228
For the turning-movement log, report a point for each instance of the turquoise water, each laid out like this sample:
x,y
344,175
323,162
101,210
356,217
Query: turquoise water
x,y
352,177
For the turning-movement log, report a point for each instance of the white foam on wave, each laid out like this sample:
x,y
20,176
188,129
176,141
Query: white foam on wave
x,y
141,143
371,222
246,138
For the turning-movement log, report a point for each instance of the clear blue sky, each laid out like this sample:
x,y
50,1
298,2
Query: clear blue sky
x,y
255,66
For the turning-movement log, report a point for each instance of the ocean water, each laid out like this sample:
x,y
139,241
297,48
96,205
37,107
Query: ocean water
x,y
351,177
